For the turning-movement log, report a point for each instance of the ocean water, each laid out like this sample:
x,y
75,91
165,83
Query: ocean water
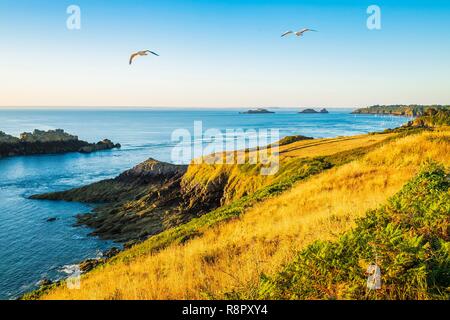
x,y
32,248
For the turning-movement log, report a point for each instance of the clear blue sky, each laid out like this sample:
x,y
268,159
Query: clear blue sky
x,y
224,53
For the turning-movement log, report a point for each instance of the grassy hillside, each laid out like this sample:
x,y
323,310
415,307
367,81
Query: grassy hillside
x,y
225,253
236,181
408,238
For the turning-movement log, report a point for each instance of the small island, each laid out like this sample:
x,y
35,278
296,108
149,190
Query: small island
x,y
48,142
314,111
257,111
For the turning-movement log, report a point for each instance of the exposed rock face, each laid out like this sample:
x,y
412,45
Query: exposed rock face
x,y
140,202
46,142
89,264
6,138
151,171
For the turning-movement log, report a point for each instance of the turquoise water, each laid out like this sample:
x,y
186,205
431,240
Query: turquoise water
x,y
32,248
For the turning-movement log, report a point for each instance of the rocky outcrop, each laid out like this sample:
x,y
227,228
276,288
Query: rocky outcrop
x,y
140,202
131,184
6,138
99,146
152,170
90,264
257,111
48,142
314,111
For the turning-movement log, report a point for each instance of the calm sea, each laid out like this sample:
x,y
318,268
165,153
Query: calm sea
x,y
32,248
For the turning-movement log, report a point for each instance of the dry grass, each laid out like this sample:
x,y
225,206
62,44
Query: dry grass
x,y
244,179
232,256
324,147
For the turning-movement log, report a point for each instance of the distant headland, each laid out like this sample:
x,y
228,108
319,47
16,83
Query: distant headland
x,y
414,110
48,142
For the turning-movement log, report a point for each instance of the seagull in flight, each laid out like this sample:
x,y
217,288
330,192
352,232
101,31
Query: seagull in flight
x,y
298,33
141,53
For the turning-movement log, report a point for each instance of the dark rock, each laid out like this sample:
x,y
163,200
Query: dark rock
x,y
45,282
140,202
53,219
108,254
324,111
105,144
151,170
89,264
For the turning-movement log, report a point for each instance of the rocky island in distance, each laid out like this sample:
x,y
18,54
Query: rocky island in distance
x,y
257,111
314,111
48,142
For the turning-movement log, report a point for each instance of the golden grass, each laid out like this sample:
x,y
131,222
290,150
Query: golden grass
x,y
231,256
325,147
241,182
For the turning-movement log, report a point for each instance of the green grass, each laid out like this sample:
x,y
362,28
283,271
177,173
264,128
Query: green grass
x,y
408,237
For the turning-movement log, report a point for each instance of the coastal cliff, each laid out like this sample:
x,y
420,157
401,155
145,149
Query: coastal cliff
x,y
48,142
155,196
333,204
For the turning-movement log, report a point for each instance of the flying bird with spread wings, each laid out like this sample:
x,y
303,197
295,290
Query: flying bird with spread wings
x,y
298,33
141,53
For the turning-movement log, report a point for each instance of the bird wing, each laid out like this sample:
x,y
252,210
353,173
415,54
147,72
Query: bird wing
x,y
133,56
153,53
286,33
307,29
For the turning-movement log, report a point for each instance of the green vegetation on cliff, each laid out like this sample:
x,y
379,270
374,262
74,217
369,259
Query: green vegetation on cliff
x,y
433,118
408,238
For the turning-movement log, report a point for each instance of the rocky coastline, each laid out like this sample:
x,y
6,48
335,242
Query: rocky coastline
x,y
48,142
140,202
